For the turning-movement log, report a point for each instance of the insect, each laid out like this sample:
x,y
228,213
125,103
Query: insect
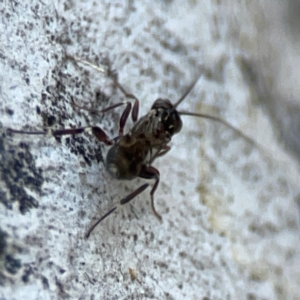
x,y
132,154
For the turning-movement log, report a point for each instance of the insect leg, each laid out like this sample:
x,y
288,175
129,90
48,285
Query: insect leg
x,y
123,118
101,69
149,172
135,109
99,221
134,194
96,131
122,202
107,70
164,150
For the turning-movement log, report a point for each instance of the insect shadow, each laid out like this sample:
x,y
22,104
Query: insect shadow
x,y
131,154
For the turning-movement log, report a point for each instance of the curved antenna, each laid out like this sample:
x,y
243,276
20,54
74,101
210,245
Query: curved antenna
x,y
210,117
186,92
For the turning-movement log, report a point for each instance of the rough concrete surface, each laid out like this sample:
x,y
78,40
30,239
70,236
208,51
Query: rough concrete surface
x,y
230,207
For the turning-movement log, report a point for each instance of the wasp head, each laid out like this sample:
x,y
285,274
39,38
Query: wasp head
x,y
168,115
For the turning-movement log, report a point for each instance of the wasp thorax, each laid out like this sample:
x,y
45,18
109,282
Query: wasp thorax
x,y
168,115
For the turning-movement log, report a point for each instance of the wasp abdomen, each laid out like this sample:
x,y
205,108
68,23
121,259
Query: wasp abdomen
x,y
125,162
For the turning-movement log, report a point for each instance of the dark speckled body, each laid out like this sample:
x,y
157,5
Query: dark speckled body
x,y
149,135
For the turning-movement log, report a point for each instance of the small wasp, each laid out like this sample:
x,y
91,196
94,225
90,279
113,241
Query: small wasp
x,y
132,154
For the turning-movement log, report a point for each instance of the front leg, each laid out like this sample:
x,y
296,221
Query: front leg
x,y
162,151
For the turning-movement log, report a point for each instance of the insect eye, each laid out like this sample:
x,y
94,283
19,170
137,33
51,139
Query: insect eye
x,y
177,122
172,122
